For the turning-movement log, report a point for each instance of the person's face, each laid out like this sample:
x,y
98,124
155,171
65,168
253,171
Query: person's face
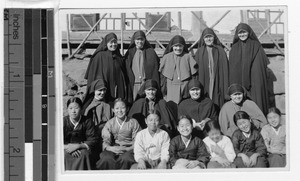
x,y
112,45
209,40
215,135
100,93
139,42
152,122
195,93
185,127
178,49
244,125
237,97
150,93
273,119
74,110
120,110
243,35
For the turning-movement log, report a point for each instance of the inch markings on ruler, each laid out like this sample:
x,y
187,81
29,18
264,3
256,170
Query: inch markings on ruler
x,y
14,94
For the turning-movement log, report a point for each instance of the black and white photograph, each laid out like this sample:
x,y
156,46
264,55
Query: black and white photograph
x,y
181,88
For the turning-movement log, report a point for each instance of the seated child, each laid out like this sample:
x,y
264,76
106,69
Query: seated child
x,y
79,137
118,137
274,136
248,143
186,150
151,145
219,146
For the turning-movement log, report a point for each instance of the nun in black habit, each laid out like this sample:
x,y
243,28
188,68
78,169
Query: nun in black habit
x,y
142,62
149,98
213,67
248,65
197,106
107,63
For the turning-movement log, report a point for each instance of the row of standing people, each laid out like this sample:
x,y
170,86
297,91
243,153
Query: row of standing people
x,y
126,146
194,106
247,66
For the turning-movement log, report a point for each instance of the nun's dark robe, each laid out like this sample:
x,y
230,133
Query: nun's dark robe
x,y
83,133
248,67
110,67
140,109
151,65
220,69
198,110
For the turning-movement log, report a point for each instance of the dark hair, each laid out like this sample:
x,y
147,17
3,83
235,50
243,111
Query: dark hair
x,y
211,124
186,117
240,115
120,100
76,100
156,112
274,110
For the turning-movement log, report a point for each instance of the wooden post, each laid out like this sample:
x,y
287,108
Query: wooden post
x,y
123,16
244,16
86,37
68,36
179,23
268,20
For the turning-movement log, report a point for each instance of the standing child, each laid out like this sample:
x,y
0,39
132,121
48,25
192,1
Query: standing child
x,y
151,145
118,137
248,143
187,151
274,136
219,146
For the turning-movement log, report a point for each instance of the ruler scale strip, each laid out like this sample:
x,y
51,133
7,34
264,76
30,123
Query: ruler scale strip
x,y
44,95
51,95
29,92
14,94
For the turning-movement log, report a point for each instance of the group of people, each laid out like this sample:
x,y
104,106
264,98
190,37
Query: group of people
x,y
180,112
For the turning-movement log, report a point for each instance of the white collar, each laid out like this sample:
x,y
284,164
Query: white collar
x,y
247,135
186,143
75,124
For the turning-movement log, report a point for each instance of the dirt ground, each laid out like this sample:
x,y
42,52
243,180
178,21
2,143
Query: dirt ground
x,y
74,71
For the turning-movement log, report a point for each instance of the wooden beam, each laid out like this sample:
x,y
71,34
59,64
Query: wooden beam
x,y
89,25
196,16
153,26
122,30
179,23
135,15
270,25
220,19
68,36
268,34
86,37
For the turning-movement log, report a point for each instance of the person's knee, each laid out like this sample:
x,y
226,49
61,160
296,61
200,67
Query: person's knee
x,y
261,162
239,162
106,156
127,157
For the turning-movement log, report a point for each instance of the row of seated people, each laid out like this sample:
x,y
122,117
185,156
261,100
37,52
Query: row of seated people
x,y
239,136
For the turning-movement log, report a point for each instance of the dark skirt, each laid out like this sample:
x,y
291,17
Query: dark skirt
x,y
111,161
81,163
